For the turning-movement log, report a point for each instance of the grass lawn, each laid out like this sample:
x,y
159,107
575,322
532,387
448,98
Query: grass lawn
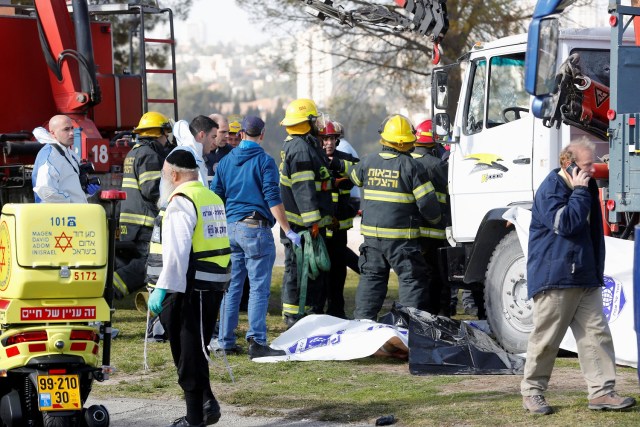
x,y
354,391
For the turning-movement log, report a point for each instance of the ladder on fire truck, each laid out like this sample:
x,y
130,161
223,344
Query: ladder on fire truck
x,y
144,70
140,10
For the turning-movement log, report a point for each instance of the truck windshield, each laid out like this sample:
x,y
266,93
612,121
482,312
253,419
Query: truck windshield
x,y
508,101
474,114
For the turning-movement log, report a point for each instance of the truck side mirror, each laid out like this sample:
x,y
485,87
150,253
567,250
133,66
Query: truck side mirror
x,y
542,57
440,90
442,127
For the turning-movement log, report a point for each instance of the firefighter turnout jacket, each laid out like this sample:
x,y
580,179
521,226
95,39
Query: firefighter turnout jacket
x,y
141,182
437,171
343,211
397,195
154,259
305,182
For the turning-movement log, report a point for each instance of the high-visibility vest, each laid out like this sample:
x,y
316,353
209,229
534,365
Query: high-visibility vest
x,y
209,266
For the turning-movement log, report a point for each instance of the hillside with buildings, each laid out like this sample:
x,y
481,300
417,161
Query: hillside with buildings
x,y
261,78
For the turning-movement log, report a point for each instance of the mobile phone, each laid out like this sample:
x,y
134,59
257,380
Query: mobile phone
x,y
571,167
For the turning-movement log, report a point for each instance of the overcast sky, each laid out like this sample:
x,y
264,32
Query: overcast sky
x,y
224,22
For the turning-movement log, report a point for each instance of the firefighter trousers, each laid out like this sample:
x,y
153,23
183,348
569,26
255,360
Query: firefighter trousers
x,y
439,289
291,288
377,258
131,272
334,290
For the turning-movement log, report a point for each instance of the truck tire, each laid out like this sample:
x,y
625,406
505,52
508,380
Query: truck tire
x,y
509,312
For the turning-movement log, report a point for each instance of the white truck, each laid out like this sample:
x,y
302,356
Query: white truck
x,y
500,153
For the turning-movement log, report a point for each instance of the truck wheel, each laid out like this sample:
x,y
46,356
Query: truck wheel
x,y
509,312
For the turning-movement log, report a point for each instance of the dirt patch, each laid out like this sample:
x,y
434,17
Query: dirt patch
x,y
563,379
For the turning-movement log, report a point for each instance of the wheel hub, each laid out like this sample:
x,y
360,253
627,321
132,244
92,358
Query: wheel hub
x,y
517,308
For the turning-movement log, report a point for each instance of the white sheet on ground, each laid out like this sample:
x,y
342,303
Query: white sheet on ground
x,y
617,294
323,337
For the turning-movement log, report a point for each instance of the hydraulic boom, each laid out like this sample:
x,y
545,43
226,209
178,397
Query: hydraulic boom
x,y
426,17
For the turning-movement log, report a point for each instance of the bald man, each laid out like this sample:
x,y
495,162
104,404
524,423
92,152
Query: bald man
x,y
221,147
56,172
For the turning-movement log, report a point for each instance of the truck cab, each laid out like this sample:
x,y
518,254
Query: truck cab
x,y
500,153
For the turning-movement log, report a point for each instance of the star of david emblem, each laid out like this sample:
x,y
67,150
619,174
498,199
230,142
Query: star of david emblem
x,y
67,238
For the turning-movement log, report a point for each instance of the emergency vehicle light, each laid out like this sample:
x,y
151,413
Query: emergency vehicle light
x,y
37,347
84,335
78,346
113,195
27,336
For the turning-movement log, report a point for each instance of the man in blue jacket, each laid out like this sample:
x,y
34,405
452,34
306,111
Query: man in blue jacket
x,y
564,274
247,181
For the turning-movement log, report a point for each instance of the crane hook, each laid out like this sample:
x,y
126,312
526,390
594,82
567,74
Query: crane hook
x,y
436,54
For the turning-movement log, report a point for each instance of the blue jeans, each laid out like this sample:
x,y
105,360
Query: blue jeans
x,y
253,252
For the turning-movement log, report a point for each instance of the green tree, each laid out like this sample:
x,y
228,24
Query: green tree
x,y
197,99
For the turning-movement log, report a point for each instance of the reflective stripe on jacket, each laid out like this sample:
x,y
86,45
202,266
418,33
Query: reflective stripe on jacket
x,y
141,182
437,171
303,171
397,195
154,259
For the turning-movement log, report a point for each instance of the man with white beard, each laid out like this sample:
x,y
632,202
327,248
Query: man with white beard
x,y
194,274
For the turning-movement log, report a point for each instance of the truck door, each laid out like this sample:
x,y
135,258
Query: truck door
x,y
491,165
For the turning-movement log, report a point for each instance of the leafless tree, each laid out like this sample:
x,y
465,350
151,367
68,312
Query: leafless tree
x,y
397,60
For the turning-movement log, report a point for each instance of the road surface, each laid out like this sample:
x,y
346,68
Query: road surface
x,y
129,412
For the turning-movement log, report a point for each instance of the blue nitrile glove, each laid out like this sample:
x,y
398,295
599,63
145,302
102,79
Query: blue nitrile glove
x,y
155,300
294,237
93,189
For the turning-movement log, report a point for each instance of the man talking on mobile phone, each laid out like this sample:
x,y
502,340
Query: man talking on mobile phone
x,y
565,271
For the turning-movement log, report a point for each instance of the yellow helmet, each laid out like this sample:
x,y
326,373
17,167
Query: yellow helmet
x,y
397,132
299,111
152,124
234,126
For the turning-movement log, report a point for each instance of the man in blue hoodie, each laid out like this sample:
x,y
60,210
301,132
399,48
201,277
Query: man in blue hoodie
x,y
247,180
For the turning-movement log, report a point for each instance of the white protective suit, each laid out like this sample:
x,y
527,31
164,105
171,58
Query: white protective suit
x,y
56,172
186,141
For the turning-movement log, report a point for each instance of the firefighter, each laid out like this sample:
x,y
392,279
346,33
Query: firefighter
x,y
141,182
234,132
397,198
343,214
428,154
304,181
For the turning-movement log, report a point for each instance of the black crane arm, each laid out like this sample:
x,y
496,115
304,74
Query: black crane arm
x,y
426,17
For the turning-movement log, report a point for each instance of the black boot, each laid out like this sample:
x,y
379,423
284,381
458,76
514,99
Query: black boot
x,y
258,350
211,411
182,422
